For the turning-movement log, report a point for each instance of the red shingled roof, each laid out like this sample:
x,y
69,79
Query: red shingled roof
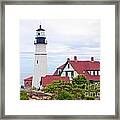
x,y
28,78
56,72
92,77
80,66
48,79
28,81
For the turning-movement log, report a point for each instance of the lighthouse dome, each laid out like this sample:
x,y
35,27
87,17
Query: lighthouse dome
x,y
40,29
40,36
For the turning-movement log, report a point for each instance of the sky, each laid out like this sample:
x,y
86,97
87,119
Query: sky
x,y
66,38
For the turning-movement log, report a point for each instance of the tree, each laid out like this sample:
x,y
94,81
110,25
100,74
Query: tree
x,y
72,91
65,95
23,95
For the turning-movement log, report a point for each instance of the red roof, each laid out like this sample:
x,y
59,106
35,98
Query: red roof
x,y
60,67
28,82
29,78
92,77
80,66
48,79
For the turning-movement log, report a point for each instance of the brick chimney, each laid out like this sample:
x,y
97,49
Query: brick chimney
x,y
92,58
75,57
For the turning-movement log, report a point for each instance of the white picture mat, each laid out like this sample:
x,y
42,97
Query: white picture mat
x,y
14,106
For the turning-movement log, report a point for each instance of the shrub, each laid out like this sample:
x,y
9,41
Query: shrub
x,y
23,95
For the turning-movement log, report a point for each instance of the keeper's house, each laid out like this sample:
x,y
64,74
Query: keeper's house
x,y
72,68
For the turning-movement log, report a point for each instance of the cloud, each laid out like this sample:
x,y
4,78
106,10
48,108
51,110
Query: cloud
x,y
66,38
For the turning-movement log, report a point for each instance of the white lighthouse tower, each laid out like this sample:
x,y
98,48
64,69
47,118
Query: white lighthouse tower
x,y
40,62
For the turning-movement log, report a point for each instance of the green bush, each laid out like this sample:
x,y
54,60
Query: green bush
x,y
23,95
64,95
71,91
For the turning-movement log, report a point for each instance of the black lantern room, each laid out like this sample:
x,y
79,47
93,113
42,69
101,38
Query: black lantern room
x,y
40,36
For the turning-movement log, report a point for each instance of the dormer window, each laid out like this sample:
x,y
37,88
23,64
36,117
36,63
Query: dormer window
x,y
94,72
37,61
91,72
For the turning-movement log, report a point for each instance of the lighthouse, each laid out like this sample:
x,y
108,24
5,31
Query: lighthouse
x,y
40,61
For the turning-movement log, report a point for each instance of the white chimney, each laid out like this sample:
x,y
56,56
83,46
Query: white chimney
x,y
75,57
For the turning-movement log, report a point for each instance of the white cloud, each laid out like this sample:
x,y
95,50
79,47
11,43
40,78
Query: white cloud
x,y
66,38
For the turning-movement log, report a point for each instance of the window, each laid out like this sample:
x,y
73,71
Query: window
x,y
38,33
37,61
91,72
88,72
42,33
95,72
69,74
99,72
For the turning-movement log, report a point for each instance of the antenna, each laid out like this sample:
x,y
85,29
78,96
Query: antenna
x,y
40,25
